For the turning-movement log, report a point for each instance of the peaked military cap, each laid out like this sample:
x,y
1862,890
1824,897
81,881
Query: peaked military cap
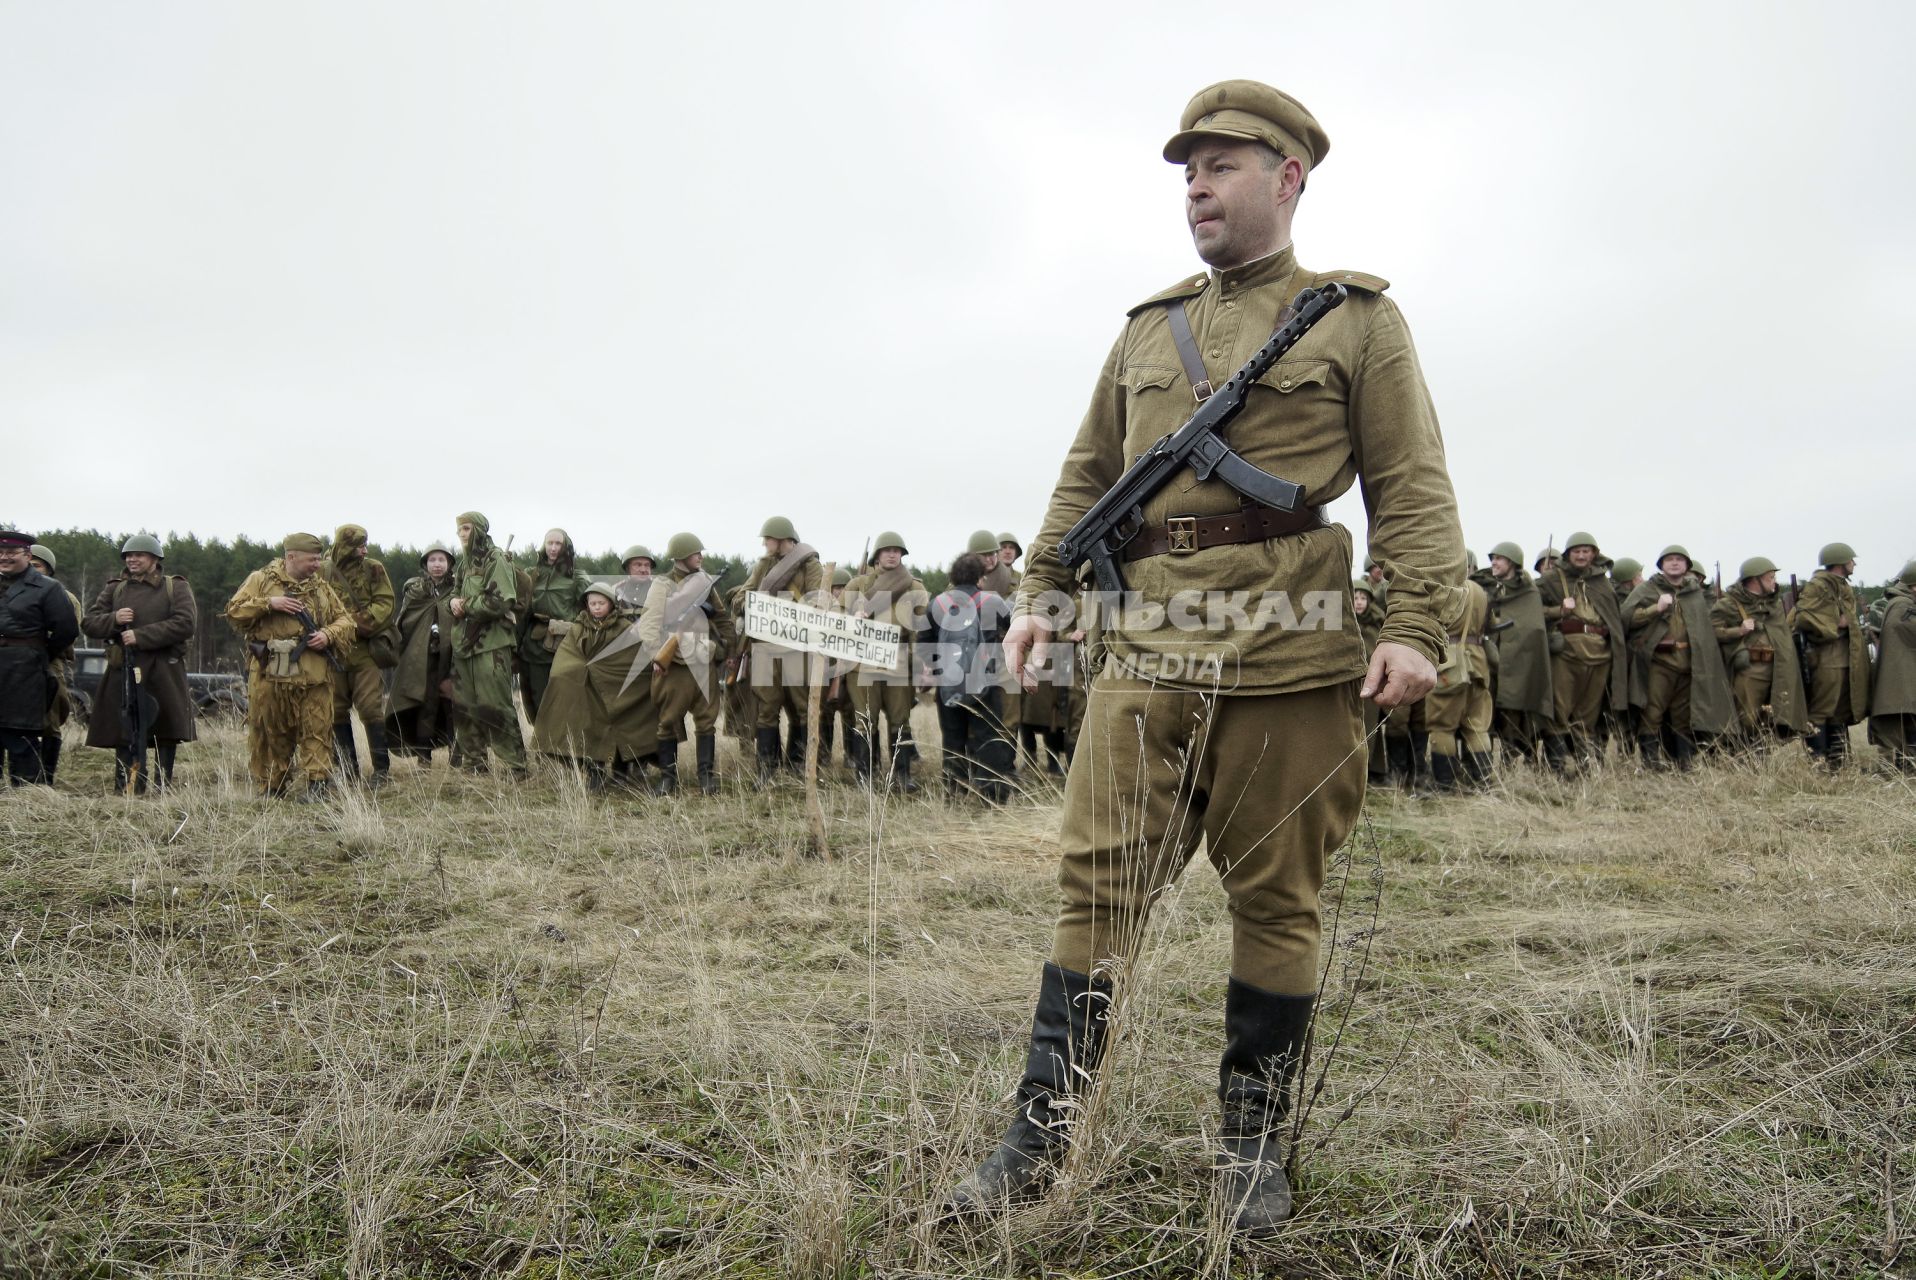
x,y
15,538
1245,110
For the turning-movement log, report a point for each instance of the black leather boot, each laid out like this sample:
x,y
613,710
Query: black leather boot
x,y
1835,744
1402,772
1650,747
902,752
1263,1044
49,757
858,751
795,749
767,757
668,767
382,758
708,761
1419,758
1443,771
345,755
1067,1042
1479,766
1556,751
165,754
1683,751
1054,751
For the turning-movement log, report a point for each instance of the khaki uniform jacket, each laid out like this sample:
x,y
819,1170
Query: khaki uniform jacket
x,y
1824,599
1348,403
1467,661
251,614
165,617
906,611
1595,594
1893,691
652,621
1712,709
1788,704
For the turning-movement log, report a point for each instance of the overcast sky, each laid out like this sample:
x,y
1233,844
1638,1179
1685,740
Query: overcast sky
x,y
636,268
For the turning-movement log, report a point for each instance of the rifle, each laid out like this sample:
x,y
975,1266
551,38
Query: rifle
x,y
305,618
1102,533
1716,584
139,711
1801,641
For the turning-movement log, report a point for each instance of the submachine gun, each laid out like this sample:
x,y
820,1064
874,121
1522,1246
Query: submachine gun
x,y
1115,519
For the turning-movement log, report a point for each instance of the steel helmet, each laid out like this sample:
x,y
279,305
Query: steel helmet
x,y
45,556
144,542
1509,551
1674,549
683,545
1580,539
889,538
1835,553
637,552
984,543
1755,567
778,527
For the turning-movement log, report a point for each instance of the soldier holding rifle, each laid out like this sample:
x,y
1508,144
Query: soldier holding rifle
x,y
1245,734
294,626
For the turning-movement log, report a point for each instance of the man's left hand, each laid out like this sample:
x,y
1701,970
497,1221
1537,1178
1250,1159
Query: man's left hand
x,y
1398,676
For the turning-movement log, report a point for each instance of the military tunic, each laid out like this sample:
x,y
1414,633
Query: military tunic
x,y
289,715
1176,750
1839,655
706,637
884,698
1458,710
1762,662
780,676
1589,666
1678,675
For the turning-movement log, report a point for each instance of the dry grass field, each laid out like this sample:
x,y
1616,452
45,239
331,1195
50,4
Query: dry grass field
x,y
1627,1026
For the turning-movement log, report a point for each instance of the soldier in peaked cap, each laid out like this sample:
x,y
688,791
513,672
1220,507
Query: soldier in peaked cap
x,y
42,558
1826,614
1166,761
37,624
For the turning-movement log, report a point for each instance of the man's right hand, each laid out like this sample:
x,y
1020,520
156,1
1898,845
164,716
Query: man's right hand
x,y
285,604
1025,643
123,616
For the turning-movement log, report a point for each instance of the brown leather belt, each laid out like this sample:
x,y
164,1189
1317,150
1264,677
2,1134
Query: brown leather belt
x,y
1578,627
23,642
1671,646
1181,535
1761,655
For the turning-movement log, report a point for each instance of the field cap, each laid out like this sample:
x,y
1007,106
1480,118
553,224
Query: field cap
x,y
1246,110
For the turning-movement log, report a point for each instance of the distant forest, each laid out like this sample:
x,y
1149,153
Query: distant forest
x,y
88,558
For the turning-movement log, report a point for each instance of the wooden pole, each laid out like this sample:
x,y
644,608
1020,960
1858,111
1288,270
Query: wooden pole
x,y
815,682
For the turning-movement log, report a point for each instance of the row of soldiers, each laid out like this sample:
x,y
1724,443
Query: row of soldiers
x,y
1591,649
434,664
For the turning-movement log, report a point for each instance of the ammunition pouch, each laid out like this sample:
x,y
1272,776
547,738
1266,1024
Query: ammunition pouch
x,y
280,661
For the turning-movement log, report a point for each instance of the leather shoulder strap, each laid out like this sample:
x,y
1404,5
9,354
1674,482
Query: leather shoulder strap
x,y
1188,356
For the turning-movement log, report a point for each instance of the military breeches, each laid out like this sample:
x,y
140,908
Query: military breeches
x,y
1158,771
890,699
779,685
1829,695
679,697
1751,689
289,732
1668,702
1458,717
1579,688
483,715
359,689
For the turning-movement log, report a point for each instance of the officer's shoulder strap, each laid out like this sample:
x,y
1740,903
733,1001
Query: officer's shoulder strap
x,y
1359,280
1187,288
